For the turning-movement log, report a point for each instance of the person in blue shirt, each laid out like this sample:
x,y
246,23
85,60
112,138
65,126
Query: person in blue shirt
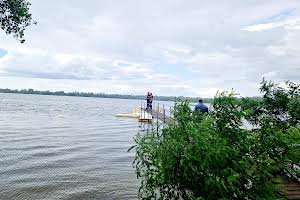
x,y
201,108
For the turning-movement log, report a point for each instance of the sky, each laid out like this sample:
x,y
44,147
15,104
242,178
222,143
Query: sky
x,y
170,47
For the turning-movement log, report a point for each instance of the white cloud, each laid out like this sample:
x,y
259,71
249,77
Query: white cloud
x,y
171,47
288,24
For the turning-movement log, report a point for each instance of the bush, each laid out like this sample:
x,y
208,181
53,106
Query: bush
x,y
215,157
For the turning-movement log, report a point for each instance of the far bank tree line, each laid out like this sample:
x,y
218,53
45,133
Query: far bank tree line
x,y
103,95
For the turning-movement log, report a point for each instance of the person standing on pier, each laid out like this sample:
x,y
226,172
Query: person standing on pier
x,y
149,100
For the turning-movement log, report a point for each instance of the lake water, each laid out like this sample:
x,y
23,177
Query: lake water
x,y
55,147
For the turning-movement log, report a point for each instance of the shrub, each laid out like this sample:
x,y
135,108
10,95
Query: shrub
x,y
215,157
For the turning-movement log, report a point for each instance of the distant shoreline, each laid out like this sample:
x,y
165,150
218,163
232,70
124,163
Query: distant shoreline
x,y
102,95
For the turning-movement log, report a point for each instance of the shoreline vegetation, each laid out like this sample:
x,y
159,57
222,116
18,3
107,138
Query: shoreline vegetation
x,y
102,95
105,95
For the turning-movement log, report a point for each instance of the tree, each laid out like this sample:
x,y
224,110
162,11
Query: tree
x,y
15,17
217,157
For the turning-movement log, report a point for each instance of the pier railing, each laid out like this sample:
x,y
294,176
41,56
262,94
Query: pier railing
x,y
159,112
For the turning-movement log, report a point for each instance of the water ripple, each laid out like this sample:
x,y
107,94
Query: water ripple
x,y
66,148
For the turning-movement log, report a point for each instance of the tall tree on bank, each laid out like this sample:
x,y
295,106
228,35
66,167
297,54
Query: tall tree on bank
x,y
15,17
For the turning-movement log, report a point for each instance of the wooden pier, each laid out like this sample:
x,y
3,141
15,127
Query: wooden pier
x,y
158,112
161,116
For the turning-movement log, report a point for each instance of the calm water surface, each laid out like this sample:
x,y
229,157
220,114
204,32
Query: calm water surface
x,y
55,147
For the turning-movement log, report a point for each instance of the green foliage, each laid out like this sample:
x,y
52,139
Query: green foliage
x,y
215,157
15,17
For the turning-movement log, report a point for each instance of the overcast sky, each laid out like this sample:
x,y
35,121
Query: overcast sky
x,y
169,47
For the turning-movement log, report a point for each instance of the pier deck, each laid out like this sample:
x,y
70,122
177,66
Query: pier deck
x,y
160,115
